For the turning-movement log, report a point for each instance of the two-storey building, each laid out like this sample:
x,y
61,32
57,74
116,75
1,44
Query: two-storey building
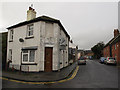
x,y
37,44
112,48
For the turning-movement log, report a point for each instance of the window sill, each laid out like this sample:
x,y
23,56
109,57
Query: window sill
x,y
11,41
29,37
29,64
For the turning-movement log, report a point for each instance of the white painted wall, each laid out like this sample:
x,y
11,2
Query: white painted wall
x,y
63,56
55,48
16,46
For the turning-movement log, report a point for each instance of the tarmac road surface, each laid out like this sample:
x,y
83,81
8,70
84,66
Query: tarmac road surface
x,y
91,75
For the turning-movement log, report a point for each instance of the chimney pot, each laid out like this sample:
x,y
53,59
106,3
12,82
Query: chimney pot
x,y
30,8
116,32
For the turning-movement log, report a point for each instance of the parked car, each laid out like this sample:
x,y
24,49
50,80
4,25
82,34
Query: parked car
x,y
82,60
102,59
110,60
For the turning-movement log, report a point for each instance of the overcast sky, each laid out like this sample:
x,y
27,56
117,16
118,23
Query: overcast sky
x,y
87,23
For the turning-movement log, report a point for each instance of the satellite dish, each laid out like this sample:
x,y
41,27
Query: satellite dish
x,y
21,40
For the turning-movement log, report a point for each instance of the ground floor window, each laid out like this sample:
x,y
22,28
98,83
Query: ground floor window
x,y
10,55
28,56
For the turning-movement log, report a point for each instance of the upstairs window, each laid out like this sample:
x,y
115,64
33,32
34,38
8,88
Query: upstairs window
x,y
118,45
30,30
115,46
11,35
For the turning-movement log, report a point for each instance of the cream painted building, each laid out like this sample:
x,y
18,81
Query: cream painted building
x,y
72,52
38,44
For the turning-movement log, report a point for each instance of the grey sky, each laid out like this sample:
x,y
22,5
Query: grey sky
x,y
86,22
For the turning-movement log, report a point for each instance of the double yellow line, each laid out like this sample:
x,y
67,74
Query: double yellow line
x,y
73,75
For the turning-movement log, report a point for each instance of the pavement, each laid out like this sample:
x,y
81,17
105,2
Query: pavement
x,y
40,76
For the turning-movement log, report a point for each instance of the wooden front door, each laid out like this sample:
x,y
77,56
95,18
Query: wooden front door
x,y
48,59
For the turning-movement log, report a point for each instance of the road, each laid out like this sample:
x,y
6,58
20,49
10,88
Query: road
x,y
91,75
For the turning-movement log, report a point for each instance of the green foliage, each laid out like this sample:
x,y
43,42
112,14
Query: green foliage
x,y
97,50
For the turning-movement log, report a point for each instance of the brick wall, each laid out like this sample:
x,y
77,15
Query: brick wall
x,y
113,47
116,51
106,51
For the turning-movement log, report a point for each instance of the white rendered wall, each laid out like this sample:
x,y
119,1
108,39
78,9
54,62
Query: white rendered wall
x,y
63,54
16,46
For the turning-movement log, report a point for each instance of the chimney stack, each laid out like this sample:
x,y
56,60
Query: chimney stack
x,y
31,13
116,32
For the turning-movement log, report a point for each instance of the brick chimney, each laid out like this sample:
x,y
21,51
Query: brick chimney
x,y
31,14
116,32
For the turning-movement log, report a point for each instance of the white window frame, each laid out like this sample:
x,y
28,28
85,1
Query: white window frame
x,y
24,54
10,55
29,30
28,53
117,45
11,35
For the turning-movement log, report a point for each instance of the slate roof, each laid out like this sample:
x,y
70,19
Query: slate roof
x,y
41,18
113,40
108,43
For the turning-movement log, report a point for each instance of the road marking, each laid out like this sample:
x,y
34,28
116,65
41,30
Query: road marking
x,y
64,80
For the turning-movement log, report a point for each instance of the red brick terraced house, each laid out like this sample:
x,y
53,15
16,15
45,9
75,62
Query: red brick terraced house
x,y
112,48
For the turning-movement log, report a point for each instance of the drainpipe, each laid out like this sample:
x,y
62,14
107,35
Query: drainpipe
x,y
28,68
110,50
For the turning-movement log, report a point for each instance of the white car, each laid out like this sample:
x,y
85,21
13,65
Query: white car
x,y
110,60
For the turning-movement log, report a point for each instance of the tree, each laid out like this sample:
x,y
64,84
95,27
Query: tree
x,y
97,50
